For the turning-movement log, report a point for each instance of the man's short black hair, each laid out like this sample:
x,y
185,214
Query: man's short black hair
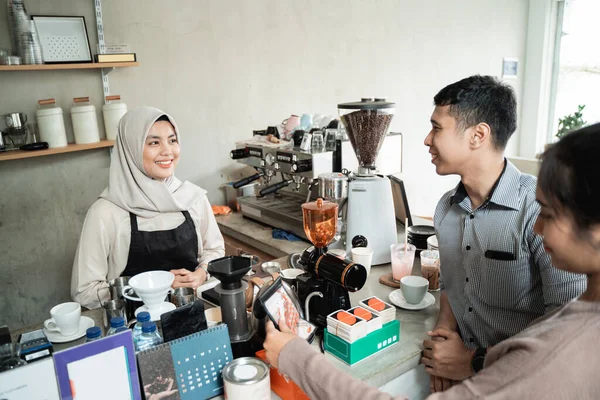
x,y
569,175
479,99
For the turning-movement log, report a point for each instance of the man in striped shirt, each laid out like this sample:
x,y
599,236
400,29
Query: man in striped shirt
x,y
495,275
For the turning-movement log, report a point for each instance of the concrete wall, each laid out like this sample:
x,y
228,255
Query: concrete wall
x,y
223,68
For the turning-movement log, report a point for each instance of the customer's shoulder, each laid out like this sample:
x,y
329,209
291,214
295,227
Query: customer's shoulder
x,y
527,193
527,183
445,201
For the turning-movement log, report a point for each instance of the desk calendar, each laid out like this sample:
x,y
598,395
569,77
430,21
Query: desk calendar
x,y
187,368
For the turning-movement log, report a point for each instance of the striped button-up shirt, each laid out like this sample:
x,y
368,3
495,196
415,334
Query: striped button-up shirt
x,y
494,269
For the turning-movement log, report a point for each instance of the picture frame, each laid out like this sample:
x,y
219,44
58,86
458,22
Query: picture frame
x,y
77,369
64,39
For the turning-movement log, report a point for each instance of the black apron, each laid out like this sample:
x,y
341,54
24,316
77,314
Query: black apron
x,y
162,250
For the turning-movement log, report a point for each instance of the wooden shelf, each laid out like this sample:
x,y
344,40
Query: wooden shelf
x,y
42,67
19,154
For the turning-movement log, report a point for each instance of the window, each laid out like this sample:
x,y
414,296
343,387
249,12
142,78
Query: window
x,y
576,64
562,69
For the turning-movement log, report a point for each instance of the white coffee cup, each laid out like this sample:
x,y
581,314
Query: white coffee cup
x,y
290,276
363,256
65,319
414,288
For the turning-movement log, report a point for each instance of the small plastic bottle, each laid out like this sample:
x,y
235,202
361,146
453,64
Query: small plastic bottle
x,y
149,338
115,322
93,333
142,317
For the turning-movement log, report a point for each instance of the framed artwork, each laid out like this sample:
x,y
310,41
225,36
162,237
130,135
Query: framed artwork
x,y
98,370
64,39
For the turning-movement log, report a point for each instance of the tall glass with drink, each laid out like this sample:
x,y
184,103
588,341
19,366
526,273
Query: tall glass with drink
x,y
403,258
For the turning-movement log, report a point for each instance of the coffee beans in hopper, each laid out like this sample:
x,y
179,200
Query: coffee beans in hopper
x,y
366,130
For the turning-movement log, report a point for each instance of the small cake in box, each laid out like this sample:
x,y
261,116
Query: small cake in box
x,y
372,320
346,326
383,309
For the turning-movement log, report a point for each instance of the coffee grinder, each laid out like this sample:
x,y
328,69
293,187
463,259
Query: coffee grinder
x,y
370,203
328,277
230,270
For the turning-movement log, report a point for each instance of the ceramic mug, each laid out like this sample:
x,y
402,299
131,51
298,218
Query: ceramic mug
x,y
290,124
65,319
290,276
306,122
414,288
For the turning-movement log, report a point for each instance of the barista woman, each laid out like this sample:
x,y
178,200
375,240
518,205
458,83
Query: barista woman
x,y
551,359
146,219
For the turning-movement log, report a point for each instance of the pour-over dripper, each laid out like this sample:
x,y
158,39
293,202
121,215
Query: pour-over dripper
x,y
367,122
230,270
320,221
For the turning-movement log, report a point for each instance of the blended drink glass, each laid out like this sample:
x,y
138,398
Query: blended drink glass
x,y
402,260
430,268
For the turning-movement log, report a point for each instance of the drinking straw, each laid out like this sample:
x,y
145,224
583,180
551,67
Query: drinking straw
x,y
405,234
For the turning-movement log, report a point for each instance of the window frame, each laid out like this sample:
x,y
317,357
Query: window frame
x,y
544,32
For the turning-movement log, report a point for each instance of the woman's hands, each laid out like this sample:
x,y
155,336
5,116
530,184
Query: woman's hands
x,y
276,340
186,278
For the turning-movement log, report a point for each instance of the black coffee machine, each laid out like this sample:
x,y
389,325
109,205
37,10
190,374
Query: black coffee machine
x,y
230,270
328,278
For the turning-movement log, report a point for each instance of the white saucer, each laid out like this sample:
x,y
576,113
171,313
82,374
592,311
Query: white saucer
x,y
157,312
397,299
84,324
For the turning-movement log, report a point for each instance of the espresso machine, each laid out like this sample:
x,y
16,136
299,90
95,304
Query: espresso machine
x,y
288,176
370,211
328,279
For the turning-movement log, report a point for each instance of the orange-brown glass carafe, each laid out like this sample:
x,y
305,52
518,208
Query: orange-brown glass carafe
x,y
320,221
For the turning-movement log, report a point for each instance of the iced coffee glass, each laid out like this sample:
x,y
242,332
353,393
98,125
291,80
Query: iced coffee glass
x,y
402,260
430,268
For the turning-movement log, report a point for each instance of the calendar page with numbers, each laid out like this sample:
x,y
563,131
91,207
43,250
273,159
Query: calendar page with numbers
x,y
187,368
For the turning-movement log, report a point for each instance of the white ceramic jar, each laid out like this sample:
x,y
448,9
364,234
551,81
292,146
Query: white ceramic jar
x,y
85,123
112,114
51,124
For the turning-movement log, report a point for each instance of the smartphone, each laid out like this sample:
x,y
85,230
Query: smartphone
x,y
283,308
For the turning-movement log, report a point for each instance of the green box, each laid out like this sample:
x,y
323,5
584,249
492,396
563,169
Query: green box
x,y
351,353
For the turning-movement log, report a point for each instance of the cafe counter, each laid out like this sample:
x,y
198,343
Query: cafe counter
x,y
396,370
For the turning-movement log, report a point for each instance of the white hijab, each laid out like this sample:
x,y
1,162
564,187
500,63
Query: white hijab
x,y
129,186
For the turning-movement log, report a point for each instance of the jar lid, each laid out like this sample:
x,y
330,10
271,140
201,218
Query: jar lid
x,y
44,112
115,106
246,371
83,109
319,205
367,103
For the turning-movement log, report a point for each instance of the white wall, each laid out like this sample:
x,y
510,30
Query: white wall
x,y
223,68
